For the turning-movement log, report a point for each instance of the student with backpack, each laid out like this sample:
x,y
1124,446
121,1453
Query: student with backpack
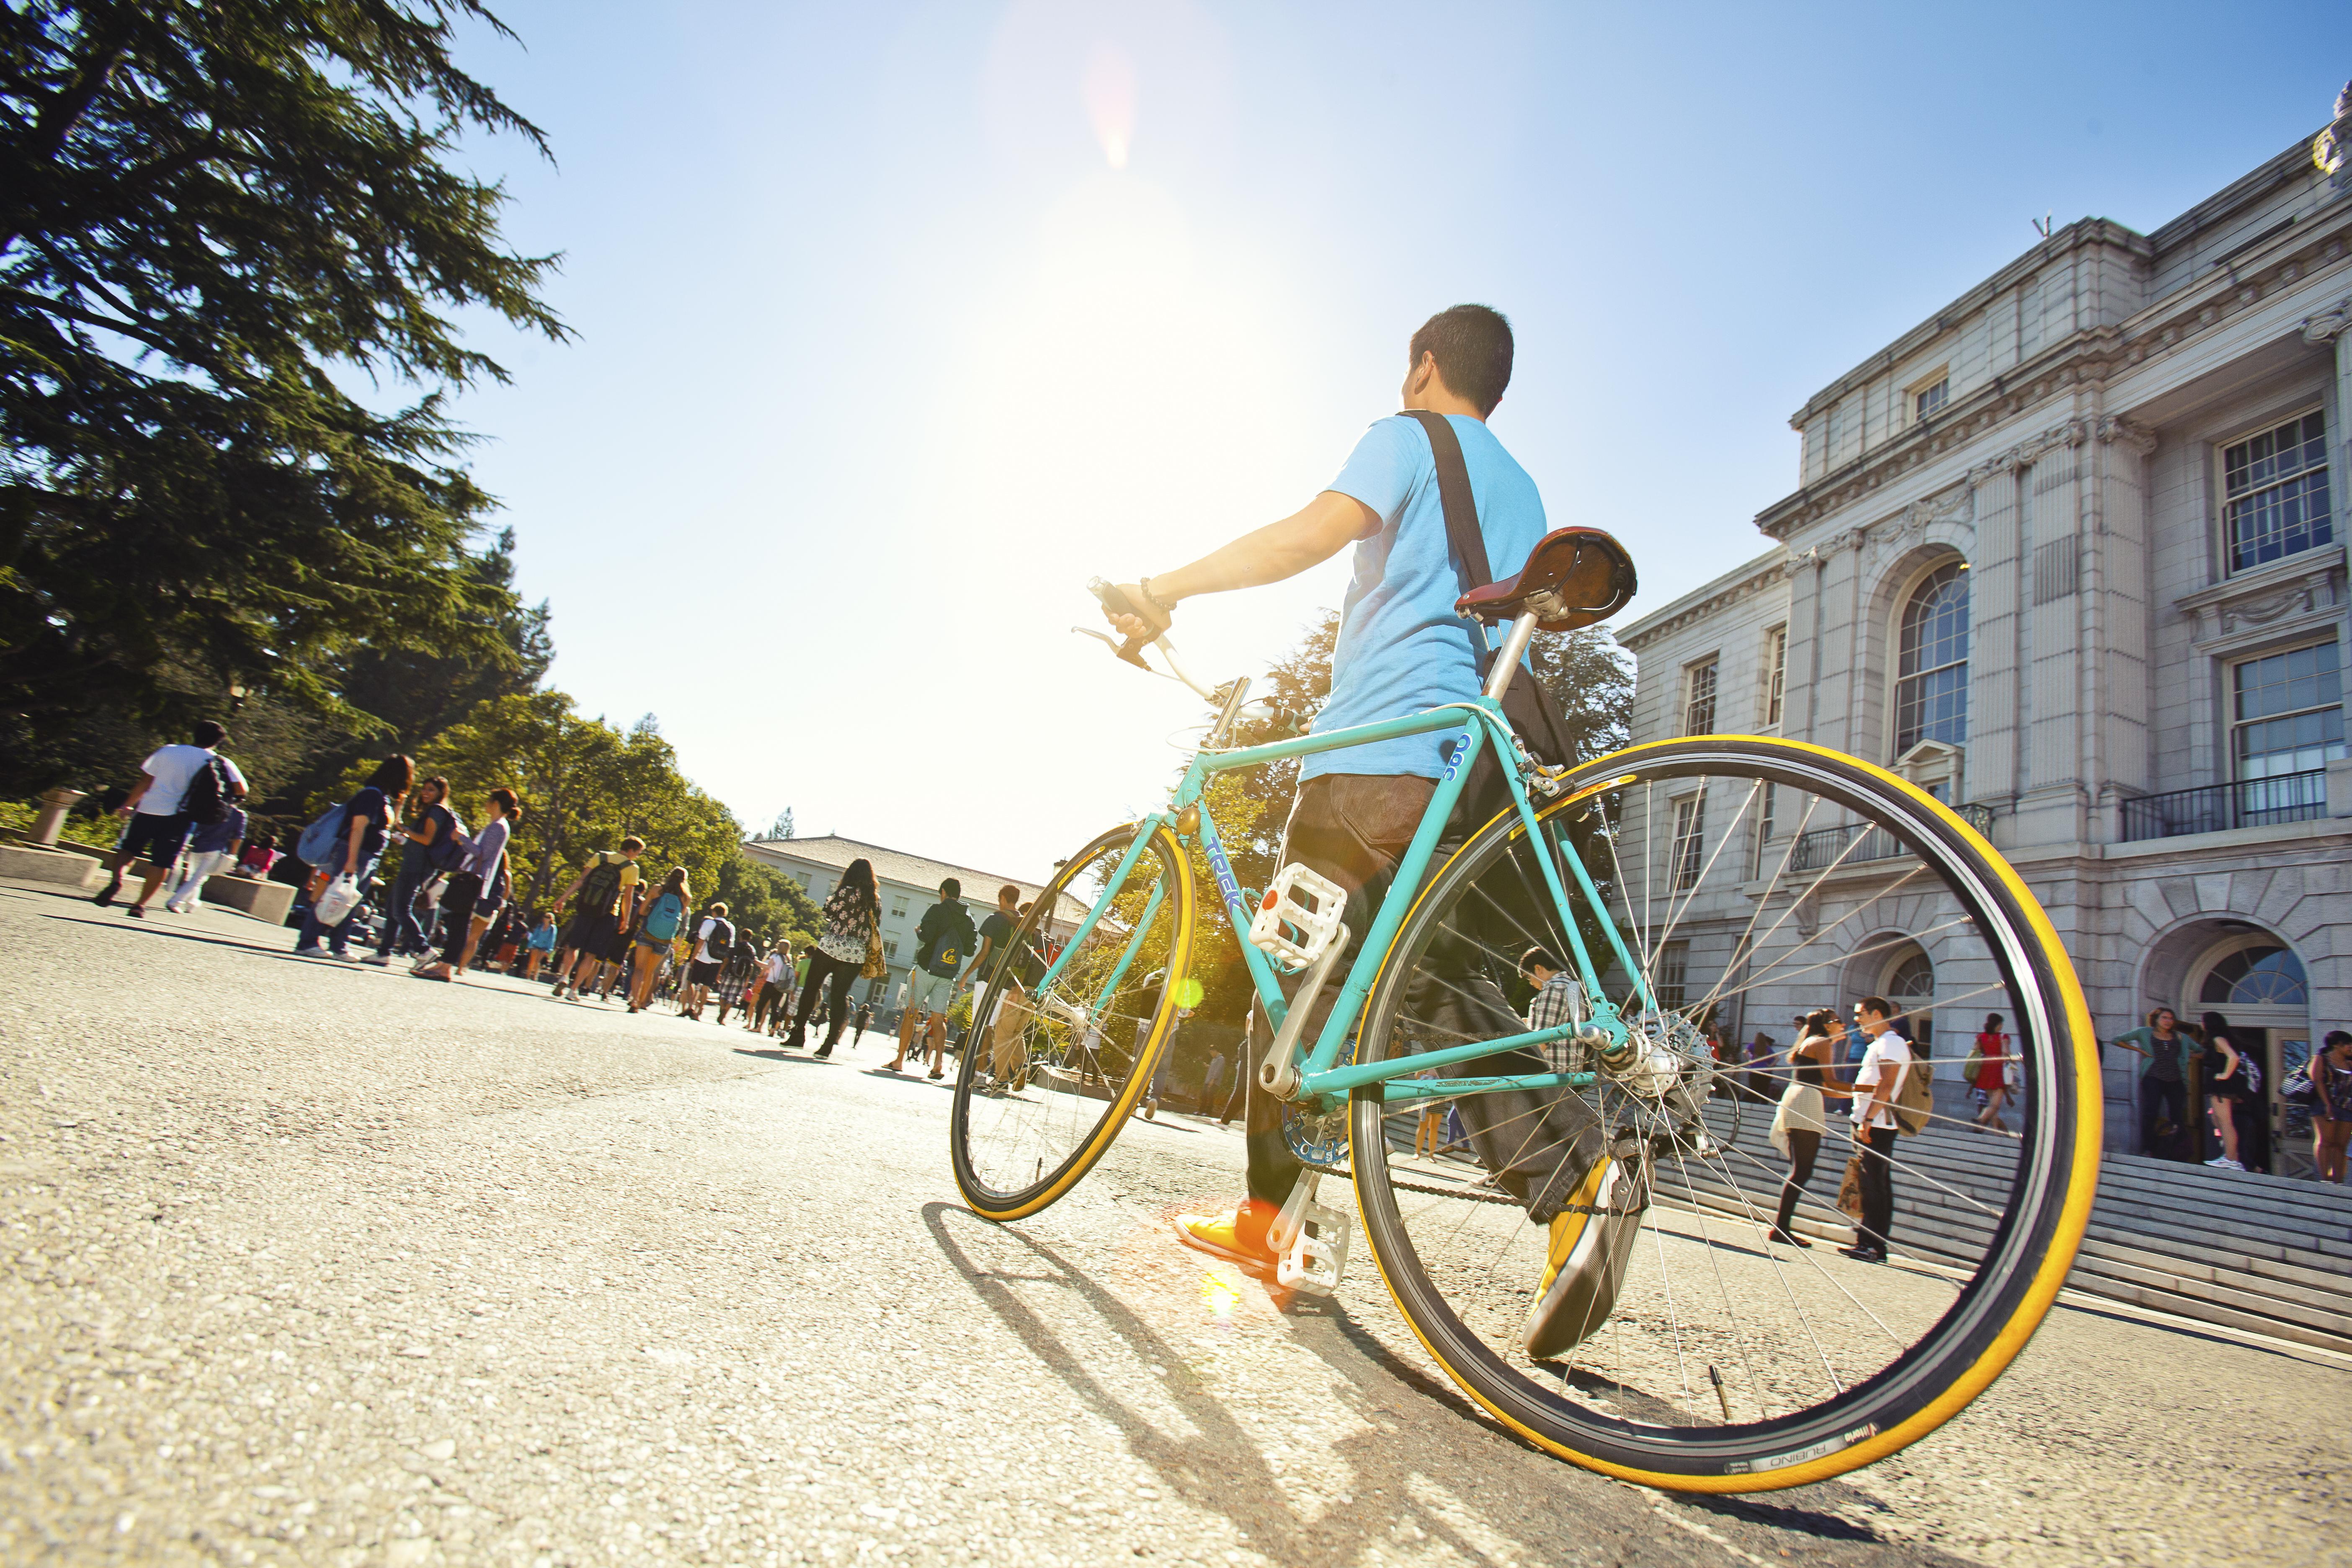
x,y
1886,1070
607,888
212,848
714,942
179,787
476,889
431,842
345,843
664,914
944,939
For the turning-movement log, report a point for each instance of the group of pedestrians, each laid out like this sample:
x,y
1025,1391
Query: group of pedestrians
x,y
2205,1061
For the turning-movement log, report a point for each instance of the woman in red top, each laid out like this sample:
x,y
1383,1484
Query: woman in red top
x,y
1992,1082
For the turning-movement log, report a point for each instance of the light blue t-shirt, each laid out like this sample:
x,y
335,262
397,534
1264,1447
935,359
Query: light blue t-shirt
x,y
1401,648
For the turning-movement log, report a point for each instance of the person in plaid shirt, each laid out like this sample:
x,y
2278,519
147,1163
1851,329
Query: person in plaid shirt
x,y
1558,1000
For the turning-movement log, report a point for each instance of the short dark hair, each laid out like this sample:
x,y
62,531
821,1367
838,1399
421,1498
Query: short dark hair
x,y
1472,344
951,888
632,844
1537,958
1007,892
210,732
394,774
1878,1004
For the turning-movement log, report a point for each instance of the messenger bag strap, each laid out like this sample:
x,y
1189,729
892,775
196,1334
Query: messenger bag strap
x,y
1453,491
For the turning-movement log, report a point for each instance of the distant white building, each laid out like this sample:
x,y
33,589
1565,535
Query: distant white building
x,y
908,885
2070,553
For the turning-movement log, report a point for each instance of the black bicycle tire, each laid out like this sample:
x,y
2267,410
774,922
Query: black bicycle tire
x,y
1054,1184
1975,1338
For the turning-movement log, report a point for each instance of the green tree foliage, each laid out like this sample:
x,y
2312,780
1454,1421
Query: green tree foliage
x,y
212,216
585,786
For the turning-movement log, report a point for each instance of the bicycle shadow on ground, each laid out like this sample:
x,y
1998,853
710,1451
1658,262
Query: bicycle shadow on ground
x,y
1222,1469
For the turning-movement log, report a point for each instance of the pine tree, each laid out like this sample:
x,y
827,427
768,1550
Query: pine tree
x,y
212,216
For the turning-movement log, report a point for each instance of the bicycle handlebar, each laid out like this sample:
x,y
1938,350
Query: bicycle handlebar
x,y
1110,596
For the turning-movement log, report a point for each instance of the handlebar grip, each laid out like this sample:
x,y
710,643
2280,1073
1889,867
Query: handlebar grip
x,y
1109,596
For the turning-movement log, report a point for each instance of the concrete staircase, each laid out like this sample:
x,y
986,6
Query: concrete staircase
x,y
2258,1254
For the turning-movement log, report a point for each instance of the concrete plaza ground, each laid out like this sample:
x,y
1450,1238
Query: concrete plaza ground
x,y
312,1263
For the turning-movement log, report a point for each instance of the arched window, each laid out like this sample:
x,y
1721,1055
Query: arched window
x,y
1931,684
2262,976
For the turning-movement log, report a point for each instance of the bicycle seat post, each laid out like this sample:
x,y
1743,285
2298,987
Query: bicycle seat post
x,y
1515,648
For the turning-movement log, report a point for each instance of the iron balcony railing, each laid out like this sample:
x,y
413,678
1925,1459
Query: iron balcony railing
x,y
2215,808
1827,846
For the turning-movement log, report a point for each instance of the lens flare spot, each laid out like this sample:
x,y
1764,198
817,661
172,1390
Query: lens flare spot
x,y
1188,992
1108,86
1219,1298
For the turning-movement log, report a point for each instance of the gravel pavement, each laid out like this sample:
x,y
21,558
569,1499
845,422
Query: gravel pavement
x,y
316,1263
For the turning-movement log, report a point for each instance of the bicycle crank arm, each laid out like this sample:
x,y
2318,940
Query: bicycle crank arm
x,y
1278,1074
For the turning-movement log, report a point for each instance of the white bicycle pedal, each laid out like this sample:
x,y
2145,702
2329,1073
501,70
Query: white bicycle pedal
x,y
1305,901
1310,1241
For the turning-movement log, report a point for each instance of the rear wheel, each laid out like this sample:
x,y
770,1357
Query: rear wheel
x,y
1753,879
1049,1075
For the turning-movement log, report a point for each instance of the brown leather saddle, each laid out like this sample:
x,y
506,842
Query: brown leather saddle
x,y
1574,577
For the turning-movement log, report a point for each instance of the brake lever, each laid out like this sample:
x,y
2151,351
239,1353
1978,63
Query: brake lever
x,y
1119,603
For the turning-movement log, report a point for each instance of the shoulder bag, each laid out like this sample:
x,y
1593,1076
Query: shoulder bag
x,y
1530,707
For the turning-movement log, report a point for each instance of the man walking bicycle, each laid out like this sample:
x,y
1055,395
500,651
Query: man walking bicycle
x,y
1401,649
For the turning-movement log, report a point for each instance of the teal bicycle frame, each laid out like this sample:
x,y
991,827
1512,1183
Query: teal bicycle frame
x,y
1479,723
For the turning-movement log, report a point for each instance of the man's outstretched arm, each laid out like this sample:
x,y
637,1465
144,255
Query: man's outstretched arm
x,y
1309,537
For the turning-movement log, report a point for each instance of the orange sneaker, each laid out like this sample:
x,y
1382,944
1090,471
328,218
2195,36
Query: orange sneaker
x,y
1237,1236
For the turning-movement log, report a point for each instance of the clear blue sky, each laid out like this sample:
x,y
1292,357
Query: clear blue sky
x,y
897,322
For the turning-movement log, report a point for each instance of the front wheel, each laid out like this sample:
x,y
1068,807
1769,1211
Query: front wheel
x,y
1050,1070
1719,1339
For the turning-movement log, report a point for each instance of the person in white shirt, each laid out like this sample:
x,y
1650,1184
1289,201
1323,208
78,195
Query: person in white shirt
x,y
713,939
1876,1081
774,984
157,810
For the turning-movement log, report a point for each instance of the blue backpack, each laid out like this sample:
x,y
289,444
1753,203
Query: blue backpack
x,y
319,840
662,920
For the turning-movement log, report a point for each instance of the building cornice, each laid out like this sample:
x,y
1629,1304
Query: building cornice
x,y
2083,235
1765,573
2088,359
2293,163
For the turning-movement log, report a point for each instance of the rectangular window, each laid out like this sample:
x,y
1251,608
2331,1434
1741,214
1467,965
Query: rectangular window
x,y
890,950
897,908
1776,674
1764,831
1931,399
2275,490
1698,697
1690,832
1672,976
2287,723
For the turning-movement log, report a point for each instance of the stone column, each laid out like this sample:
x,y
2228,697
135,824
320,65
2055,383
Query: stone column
x,y
1995,570
2329,326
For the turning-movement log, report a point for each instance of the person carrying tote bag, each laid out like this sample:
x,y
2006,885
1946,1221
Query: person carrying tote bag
x,y
1798,1122
852,917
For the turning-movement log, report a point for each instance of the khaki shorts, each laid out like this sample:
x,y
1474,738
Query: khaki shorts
x,y
927,991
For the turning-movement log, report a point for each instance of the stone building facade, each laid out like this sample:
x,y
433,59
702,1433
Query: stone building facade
x,y
909,884
2072,554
